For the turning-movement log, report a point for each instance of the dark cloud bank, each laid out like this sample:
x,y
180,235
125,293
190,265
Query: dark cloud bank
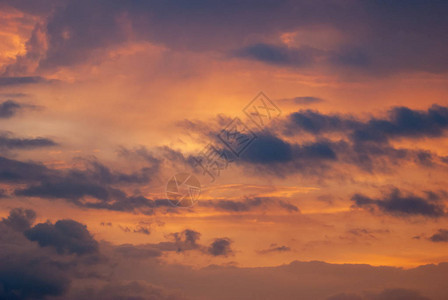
x,y
62,260
332,142
381,37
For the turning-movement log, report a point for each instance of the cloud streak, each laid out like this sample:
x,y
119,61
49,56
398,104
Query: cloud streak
x,y
395,203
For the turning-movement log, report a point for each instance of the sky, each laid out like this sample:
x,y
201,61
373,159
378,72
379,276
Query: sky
x,y
308,140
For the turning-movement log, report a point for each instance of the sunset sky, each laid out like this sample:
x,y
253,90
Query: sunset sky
x,y
340,192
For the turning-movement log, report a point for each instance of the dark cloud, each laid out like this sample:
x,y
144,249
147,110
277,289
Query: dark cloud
x,y
279,55
8,142
316,123
20,219
401,122
248,204
13,95
303,100
23,172
68,188
7,81
9,108
268,149
387,294
364,232
94,174
440,236
100,173
362,143
318,150
274,248
143,230
133,290
405,122
74,185
334,140
396,203
186,240
38,7
220,247
310,158
379,37
138,229
24,277
180,242
66,236
28,271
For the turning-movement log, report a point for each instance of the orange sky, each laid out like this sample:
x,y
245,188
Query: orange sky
x,y
100,105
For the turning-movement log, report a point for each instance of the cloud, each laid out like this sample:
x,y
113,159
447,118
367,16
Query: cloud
x,y
274,248
143,230
9,108
401,122
395,203
23,172
66,188
13,95
39,7
94,186
335,141
379,38
32,271
220,247
302,100
186,240
20,219
29,271
7,142
386,294
74,185
268,149
276,153
66,236
345,139
364,233
131,290
316,123
309,158
26,270
249,204
279,55
440,236
30,278
9,81
405,122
